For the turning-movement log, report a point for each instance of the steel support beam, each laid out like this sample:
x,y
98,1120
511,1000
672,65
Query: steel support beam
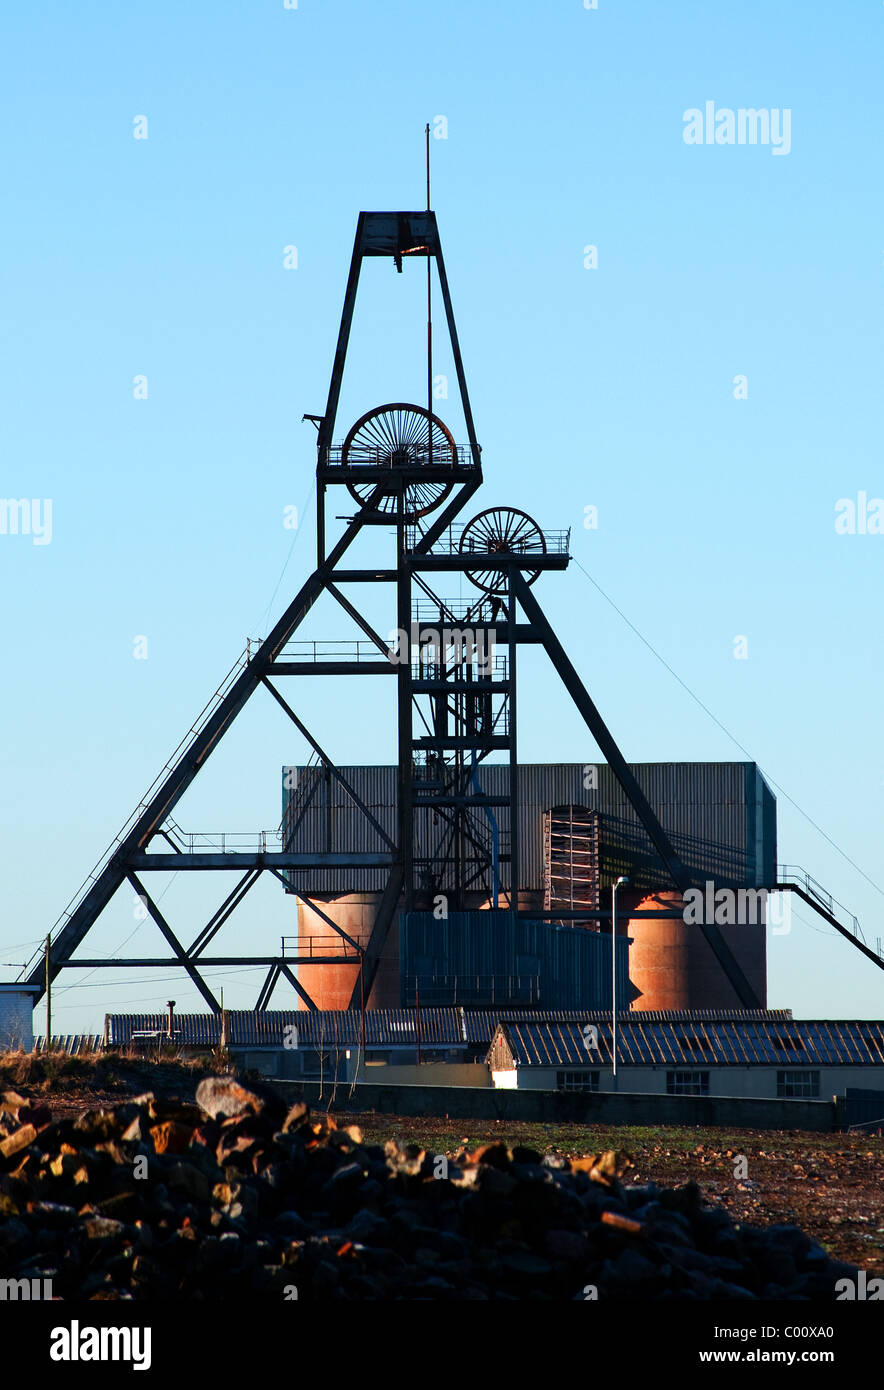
x,y
381,925
267,988
229,905
173,963
297,986
405,724
330,767
359,620
302,897
183,959
461,564
622,771
832,920
258,860
332,668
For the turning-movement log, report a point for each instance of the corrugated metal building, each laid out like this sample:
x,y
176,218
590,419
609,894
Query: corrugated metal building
x,y
481,1024
760,1053
721,818
751,1054
271,1029
442,1027
494,957
329,1045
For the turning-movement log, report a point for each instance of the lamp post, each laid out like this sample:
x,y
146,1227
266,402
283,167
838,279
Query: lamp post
x,y
621,880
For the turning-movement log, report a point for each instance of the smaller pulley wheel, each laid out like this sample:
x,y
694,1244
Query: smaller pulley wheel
x,y
501,530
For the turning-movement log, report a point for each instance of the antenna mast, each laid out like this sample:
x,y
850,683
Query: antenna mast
x,y
429,313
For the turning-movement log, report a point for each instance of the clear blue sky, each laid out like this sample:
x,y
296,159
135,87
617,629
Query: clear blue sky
x,y
612,387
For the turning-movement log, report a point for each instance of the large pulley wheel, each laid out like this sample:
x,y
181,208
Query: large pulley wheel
x,y
395,437
501,530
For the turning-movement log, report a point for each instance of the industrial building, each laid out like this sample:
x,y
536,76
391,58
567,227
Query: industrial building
x,y
767,1054
763,1054
578,833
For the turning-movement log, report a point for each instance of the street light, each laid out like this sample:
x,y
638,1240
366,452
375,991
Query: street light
x,y
621,880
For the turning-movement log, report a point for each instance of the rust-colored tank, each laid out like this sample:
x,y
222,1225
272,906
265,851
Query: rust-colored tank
x,y
330,986
674,966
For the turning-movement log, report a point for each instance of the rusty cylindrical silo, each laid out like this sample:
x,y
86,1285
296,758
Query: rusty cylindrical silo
x,y
674,966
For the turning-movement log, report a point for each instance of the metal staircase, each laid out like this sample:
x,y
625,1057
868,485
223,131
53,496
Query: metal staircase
x,y
793,879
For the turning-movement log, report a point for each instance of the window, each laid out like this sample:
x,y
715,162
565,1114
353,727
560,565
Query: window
x,y
687,1083
791,1085
577,1080
316,1063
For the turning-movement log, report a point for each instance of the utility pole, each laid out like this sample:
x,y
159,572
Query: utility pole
x,y
621,880
48,997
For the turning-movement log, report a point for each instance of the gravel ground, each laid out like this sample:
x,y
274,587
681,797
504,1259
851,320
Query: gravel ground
x,y
831,1185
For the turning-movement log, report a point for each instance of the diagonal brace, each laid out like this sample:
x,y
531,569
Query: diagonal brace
x,y
381,926
173,941
229,905
338,776
622,771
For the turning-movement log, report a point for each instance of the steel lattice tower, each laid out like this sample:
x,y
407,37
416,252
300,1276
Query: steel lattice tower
x,y
455,694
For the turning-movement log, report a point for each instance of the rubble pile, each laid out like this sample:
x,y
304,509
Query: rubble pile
x,y
237,1196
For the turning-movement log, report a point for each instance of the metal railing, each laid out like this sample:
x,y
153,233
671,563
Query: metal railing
x,y
793,873
356,650
74,1044
223,841
556,541
458,652
330,945
475,611
461,456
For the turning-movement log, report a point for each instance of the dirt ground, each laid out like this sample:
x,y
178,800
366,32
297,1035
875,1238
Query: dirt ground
x,y
828,1184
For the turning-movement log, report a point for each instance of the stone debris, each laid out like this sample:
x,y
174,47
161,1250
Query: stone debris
x,y
240,1195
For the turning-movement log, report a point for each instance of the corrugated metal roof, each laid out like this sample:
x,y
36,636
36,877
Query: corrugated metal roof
x,y
480,1024
194,1030
702,1041
440,1027
721,817
547,1037
248,1028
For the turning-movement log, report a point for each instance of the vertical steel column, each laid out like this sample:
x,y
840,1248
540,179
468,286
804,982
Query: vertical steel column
x,y
514,754
405,699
